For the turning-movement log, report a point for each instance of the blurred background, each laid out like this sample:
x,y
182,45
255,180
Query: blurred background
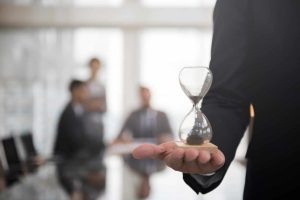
x,y
46,43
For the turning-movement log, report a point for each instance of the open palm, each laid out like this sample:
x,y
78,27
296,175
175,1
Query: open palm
x,y
187,160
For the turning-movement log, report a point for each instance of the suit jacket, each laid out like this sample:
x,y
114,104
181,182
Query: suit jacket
x,y
146,124
70,133
158,124
73,140
255,58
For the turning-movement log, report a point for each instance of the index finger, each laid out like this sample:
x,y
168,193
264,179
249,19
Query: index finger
x,y
147,151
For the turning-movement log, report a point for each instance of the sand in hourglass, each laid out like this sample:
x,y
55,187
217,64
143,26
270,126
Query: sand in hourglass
x,y
195,139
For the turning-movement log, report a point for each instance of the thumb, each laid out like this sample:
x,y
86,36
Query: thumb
x,y
147,151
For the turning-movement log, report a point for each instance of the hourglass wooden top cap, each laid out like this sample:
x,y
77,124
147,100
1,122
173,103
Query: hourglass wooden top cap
x,y
195,81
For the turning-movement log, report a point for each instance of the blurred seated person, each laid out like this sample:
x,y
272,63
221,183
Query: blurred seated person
x,y
81,170
145,124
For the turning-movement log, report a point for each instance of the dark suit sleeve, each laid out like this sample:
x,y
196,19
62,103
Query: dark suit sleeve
x,y
227,103
59,146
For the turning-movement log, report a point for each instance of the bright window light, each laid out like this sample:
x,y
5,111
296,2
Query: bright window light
x,y
97,2
178,3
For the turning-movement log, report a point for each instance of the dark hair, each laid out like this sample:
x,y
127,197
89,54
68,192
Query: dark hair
x,y
144,88
92,60
74,84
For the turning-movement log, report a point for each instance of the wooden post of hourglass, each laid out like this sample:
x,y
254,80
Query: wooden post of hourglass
x,y
195,130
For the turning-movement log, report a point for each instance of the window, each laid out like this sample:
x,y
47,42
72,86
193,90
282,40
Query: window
x,y
65,2
178,3
97,2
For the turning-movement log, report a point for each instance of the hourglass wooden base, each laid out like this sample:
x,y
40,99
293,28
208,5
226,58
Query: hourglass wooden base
x,y
205,146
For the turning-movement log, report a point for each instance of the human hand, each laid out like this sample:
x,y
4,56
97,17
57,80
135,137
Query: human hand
x,y
125,138
38,160
186,160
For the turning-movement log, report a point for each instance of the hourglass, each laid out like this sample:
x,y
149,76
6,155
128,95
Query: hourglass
x,y
195,129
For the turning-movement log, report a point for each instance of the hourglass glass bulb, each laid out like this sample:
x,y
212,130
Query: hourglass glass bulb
x,y
195,129
195,82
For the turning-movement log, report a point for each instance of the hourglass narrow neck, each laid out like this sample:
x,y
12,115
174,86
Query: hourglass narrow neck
x,y
197,106
198,113
195,99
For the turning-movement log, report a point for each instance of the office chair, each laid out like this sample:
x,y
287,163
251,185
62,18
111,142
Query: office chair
x,y
29,151
15,168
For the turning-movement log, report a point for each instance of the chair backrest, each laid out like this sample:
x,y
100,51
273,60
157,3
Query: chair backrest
x,y
29,151
13,162
11,153
28,144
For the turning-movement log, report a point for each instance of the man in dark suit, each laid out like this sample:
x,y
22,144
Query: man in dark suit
x,y
255,59
80,168
149,125
70,126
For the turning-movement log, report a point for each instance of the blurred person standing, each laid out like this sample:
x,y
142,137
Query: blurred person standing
x,y
80,168
145,124
95,108
96,102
